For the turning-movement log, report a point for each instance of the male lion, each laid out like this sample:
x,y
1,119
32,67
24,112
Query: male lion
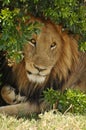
x,y
51,60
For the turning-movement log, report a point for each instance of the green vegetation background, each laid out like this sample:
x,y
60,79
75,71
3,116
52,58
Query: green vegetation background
x,y
13,13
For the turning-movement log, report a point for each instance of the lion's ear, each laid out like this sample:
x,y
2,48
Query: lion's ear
x,y
64,31
61,29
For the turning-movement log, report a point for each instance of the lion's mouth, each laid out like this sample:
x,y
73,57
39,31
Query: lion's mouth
x,y
38,78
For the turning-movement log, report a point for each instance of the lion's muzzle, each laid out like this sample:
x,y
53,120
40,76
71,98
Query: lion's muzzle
x,y
37,73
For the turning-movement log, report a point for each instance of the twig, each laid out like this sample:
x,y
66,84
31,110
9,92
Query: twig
x,y
68,109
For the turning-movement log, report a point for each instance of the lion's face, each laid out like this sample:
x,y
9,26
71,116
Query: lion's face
x,y
42,52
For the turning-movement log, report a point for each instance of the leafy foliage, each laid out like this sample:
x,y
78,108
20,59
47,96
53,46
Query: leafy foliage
x,y
71,100
70,13
14,32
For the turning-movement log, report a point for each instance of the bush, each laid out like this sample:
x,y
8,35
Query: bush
x,y
71,100
70,13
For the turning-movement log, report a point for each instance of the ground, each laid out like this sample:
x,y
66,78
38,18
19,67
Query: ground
x,y
47,121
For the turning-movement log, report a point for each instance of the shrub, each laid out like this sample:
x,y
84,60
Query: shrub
x,y
71,100
70,13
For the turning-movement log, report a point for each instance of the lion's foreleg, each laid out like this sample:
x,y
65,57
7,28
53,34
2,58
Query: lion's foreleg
x,y
20,109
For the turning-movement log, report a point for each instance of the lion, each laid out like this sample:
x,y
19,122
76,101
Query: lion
x,y
51,60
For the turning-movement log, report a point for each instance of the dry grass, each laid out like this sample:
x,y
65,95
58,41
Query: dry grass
x,y
47,121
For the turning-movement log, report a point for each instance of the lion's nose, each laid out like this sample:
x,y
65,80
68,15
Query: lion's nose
x,y
39,68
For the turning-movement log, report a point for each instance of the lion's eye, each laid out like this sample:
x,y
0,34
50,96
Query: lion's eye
x,y
53,45
33,42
